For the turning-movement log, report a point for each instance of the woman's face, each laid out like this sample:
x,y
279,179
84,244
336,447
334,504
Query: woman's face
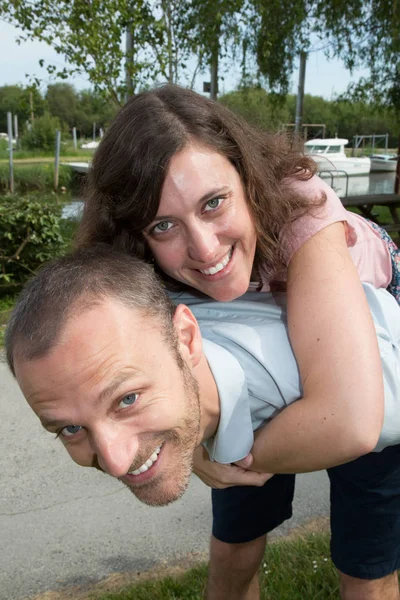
x,y
203,234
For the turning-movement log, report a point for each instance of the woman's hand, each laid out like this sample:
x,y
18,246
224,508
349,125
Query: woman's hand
x,y
219,476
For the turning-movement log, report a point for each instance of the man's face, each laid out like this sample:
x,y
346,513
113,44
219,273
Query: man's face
x,y
114,392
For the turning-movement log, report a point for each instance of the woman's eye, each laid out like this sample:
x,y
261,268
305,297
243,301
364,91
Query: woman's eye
x,y
70,430
128,400
213,204
162,227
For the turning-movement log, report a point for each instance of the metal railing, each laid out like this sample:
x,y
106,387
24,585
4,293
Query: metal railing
x,y
335,173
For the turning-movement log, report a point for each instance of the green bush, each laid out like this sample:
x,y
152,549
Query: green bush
x,y
34,177
30,235
42,134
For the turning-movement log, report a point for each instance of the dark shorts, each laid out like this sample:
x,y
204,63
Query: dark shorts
x,y
365,513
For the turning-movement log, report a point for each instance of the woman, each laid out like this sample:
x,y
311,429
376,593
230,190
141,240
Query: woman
x,y
219,206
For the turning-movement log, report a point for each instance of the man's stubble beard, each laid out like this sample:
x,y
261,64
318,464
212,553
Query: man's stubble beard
x,y
166,487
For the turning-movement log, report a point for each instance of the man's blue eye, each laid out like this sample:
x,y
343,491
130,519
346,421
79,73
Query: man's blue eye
x,y
70,430
128,400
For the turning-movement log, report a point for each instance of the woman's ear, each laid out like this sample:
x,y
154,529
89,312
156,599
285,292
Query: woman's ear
x,y
188,333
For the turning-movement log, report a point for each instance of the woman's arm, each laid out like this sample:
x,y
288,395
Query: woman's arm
x,y
333,337
334,341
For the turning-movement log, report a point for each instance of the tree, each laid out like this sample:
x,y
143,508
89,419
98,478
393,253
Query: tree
x,y
361,32
61,101
92,108
366,33
42,134
17,100
255,105
88,34
161,36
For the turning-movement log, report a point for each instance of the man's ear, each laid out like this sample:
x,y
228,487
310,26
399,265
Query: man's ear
x,y
188,332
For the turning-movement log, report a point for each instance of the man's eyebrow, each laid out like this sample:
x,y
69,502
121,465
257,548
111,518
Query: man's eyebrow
x,y
115,383
104,394
207,196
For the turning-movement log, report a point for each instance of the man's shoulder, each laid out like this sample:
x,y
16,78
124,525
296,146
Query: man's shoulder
x,y
252,305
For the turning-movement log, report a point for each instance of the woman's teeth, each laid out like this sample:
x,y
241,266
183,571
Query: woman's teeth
x,y
219,266
149,462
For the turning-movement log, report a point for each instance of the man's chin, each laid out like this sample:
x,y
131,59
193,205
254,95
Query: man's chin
x,y
157,493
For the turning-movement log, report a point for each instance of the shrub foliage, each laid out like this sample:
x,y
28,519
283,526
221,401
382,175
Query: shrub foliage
x,y
30,234
42,134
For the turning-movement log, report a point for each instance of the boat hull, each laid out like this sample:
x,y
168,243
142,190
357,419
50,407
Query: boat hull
x,y
351,166
79,167
383,165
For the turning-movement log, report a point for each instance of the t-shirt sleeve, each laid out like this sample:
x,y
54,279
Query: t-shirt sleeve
x,y
318,217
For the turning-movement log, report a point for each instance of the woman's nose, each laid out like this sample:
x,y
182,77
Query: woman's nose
x,y
203,244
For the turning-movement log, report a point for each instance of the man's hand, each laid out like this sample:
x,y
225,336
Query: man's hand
x,y
219,476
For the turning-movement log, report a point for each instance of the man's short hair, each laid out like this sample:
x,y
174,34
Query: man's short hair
x,y
77,282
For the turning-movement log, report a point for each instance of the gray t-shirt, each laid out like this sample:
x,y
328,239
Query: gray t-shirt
x,y
247,346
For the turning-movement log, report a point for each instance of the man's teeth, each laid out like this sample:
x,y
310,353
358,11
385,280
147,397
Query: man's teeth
x,y
149,462
219,266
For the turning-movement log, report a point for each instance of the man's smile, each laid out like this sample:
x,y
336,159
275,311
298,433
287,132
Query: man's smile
x,y
147,471
148,463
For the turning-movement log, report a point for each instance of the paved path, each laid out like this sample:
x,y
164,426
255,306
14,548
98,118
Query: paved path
x,y
64,525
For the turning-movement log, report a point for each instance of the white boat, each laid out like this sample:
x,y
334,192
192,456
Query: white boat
x,y
329,155
79,167
90,145
383,162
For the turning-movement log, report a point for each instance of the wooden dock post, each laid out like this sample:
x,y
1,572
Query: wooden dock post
x,y
10,151
57,159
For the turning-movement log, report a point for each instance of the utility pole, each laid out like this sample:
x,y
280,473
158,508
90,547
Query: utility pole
x,y
300,94
10,151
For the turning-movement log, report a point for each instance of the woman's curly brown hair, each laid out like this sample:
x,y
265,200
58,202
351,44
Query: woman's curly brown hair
x,y
129,168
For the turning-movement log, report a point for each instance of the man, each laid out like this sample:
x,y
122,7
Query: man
x,y
125,380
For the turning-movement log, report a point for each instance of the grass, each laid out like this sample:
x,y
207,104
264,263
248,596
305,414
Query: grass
x,y
66,150
35,177
295,569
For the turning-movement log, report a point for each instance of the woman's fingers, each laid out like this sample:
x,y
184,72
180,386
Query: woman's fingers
x,y
219,476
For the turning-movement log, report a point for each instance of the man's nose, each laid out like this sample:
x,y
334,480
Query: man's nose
x,y
203,243
115,450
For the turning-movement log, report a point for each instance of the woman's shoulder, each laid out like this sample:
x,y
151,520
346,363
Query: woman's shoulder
x,y
325,208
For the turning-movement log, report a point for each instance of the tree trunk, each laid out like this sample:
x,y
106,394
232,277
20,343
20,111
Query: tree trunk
x,y
300,95
128,63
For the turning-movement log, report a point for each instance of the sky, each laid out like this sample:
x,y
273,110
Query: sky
x,y
323,78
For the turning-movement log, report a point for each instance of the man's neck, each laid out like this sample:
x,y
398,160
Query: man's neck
x,y
209,400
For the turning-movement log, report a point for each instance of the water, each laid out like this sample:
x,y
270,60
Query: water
x,y
358,185
374,183
72,210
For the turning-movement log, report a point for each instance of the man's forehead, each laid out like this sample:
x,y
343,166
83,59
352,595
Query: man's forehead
x,y
104,315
